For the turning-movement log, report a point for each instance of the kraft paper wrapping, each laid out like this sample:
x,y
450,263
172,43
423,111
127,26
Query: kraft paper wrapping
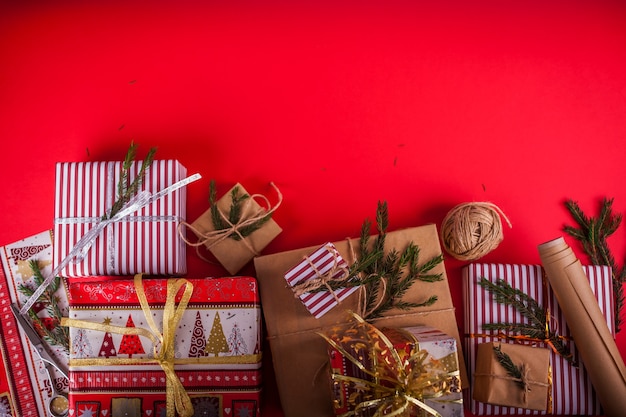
x,y
493,385
595,343
231,253
300,355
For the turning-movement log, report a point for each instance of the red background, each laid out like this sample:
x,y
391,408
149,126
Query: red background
x,y
422,105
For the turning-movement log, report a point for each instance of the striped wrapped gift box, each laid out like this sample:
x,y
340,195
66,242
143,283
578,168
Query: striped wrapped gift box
x,y
146,241
571,391
320,262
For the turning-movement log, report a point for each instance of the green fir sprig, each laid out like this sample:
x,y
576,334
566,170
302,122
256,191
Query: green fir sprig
x,y
592,233
511,369
234,215
538,325
399,270
58,335
127,189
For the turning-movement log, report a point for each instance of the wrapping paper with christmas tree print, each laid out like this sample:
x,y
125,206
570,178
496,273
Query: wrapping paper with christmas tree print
x,y
26,389
230,250
217,348
298,349
444,392
572,392
146,241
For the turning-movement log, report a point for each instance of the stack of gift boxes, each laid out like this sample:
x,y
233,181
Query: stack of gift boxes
x,y
144,339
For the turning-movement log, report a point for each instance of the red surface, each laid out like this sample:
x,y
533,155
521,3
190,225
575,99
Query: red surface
x,y
422,105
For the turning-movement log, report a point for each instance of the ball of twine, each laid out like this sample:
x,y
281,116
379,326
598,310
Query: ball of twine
x,y
472,230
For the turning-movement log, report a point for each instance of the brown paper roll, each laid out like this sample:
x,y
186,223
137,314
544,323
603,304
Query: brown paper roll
x,y
591,335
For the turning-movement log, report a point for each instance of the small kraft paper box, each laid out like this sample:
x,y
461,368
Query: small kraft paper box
x,y
25,390
140,345
493,384
426,354
145,241
232,245
301,354
571,391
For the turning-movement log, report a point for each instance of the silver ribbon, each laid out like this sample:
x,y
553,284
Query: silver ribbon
x,y
82,247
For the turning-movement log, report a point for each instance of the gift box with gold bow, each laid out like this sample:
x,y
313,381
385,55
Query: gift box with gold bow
x,y
165,347
570,391
411,371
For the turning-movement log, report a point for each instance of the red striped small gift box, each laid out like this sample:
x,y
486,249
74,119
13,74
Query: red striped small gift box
x,y
320,262
572,392
145,241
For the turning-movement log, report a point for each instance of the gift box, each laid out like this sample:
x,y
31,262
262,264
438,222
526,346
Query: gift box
x,y
571,391
145,241
525,386
25,388
293,331
139,346
232,245
325,263
423,363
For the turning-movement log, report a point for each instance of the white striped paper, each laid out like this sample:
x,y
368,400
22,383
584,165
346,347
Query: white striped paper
x,y
146,241
572,392
324,260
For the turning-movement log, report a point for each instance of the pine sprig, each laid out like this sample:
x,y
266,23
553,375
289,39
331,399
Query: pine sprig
x,y
235,213
126,188
392,273
592,233
538,326
507,363
58,335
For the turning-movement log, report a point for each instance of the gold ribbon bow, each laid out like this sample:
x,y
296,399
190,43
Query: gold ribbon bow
x,y
395,385
177,399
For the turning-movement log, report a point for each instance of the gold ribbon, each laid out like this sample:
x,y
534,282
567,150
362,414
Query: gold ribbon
x,y
177,399
212,238
397,385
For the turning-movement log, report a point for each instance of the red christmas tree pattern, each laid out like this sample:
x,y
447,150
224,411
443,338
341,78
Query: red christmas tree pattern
x,y
24,253
198,342
130,344
107,349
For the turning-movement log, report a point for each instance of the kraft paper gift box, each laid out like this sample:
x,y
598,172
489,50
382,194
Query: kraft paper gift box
x,y
494,385
25,388
571,392
229,248
426,366
145,241
215,347
301,354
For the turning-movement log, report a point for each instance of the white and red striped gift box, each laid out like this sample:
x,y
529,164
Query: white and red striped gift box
x,y
571,392
318,263
146,241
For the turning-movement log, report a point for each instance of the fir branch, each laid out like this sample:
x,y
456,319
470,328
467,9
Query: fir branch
x,y
538,326
58,335
395,272
125,188
507,363
235,213
592,233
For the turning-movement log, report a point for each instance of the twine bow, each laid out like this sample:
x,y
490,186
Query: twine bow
x,y
214,237
177,399
397,385
82,247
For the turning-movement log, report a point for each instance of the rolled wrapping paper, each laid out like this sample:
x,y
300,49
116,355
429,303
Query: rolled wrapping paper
x,y
591,335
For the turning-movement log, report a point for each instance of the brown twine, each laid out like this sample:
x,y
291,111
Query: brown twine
x,y
472,230
339,273
363,312
212,238
524,380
